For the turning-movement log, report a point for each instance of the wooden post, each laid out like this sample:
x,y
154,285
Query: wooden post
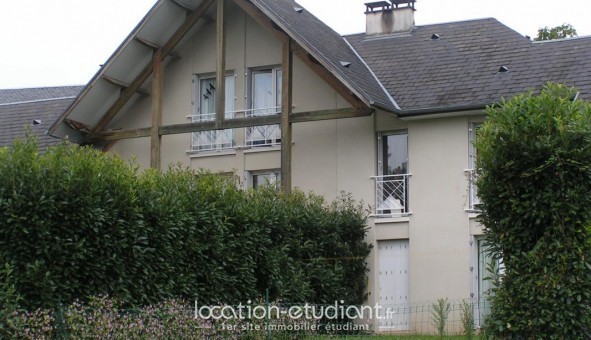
x,y
221,67
157,87
286,104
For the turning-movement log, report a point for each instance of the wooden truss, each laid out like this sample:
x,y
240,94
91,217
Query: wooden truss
x,y
291,47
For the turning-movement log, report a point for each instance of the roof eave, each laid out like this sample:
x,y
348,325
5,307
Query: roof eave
x,y
103,68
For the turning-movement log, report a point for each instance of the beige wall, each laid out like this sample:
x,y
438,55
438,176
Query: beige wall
x,y
332,156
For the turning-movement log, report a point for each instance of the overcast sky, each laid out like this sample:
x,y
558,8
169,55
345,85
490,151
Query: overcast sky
x,y
63,42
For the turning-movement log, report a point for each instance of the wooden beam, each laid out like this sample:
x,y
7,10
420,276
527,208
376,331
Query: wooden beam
x,y
175,56
157,87
123,99
147,71
314,116
286,106
261,19
220,94
123,85
78,126
234,123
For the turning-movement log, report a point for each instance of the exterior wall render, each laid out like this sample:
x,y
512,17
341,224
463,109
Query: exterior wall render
x,y
332,156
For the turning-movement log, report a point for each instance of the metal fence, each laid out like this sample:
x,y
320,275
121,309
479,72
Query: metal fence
x,y
391,195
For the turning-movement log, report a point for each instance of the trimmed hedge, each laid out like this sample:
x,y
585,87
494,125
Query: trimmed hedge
x,y
75,223
534,165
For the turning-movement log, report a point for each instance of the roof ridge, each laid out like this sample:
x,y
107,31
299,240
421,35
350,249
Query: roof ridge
x,y
562,39
37,101
438,24
41,87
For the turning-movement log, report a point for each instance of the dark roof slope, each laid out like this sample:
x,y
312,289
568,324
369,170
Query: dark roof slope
x,y
460,69
40,93
22,107
327,45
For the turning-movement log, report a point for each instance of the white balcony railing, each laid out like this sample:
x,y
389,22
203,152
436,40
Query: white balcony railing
x,y
214,139
391,195
473,199
265,135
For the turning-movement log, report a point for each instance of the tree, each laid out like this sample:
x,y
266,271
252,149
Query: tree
x,y
534,168
558,32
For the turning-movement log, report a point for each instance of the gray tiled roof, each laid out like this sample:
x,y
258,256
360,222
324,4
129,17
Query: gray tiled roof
x,y
461,68
22,107
329,46
30,94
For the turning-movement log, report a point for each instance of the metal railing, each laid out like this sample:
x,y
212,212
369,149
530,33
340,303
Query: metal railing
x,y
473,199
265,135
214,139
391,195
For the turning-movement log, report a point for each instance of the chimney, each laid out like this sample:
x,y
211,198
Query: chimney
x,y
389,17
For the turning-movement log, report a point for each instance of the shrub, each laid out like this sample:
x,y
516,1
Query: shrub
x,y
439,314
75,222
534,165
467,318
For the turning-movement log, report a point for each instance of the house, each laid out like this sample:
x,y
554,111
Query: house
x,y
36,108
388,115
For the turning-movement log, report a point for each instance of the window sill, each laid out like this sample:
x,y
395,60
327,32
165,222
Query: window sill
x,y
256,149
472,214
397,219
212,153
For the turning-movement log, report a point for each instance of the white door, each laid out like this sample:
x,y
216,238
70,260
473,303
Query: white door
x,y
393,285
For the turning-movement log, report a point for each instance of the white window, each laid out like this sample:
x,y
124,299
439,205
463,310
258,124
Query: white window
x,y
473,200
392,179
488,267
204,109
265,177
265,100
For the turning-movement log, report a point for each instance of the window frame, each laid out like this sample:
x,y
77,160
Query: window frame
x,y
274,173
392,197
228,136
270,135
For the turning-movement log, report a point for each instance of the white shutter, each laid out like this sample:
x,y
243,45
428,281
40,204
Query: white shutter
x,y
393,281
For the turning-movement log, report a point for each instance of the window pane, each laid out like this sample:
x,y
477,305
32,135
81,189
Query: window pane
x,y
472,138
278,87
207,98
270,178
395,154
262,83
230,95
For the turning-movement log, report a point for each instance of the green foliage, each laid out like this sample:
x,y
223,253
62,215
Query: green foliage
x,y
439,314
467,318
75,222
9,300
558,32
534,164
103,318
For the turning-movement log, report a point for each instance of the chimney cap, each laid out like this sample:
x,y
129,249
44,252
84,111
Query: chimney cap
x,y
409,3
380,5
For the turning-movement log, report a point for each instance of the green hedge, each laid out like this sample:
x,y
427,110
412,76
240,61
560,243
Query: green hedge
x,y
534,165
75,222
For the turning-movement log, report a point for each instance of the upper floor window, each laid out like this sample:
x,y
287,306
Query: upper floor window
x,y
473,200
265,100
392,179
204,109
